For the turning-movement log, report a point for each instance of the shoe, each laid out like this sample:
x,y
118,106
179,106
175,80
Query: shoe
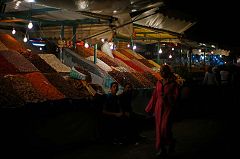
x,y
161,153
136,144
117,142
141,137
170,149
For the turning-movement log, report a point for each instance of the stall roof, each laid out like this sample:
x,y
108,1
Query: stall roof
x,y
124,17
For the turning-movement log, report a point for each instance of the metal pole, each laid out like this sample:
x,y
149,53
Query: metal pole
x,y
190,59
62,32
95,54
204,59
158,54
62,37
131,42
74,36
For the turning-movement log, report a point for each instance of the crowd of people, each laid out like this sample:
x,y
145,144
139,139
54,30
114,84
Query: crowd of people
x,y
220,75
220,82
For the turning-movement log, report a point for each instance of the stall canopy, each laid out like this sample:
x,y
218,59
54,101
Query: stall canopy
x,y
107,16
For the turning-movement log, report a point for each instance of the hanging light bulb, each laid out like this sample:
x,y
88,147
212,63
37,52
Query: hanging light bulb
x,y
160,51
25,39
134,47
30,1
86,45
13,31
170,56
30,25
111,45
82,4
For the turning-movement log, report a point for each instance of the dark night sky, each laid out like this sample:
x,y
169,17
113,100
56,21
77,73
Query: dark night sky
x,y
217,21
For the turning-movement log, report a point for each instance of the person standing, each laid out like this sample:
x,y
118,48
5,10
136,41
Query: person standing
x,y
132,119
225,76
210,89
162,103
210,77
226,79
112,116
216,71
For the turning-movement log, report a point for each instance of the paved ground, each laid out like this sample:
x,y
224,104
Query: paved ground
x,y
202,130
196,138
